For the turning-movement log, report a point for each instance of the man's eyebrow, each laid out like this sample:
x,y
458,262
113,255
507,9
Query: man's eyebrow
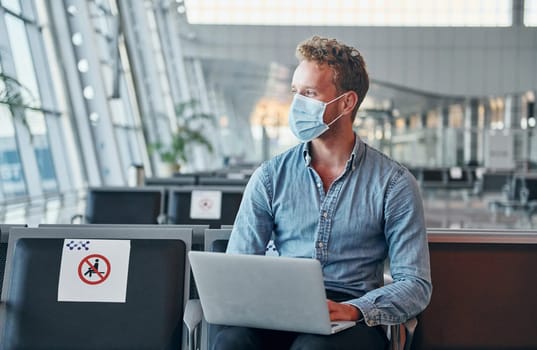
x,y
308,87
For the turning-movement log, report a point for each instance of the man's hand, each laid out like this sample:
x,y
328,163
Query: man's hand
x,y
342,312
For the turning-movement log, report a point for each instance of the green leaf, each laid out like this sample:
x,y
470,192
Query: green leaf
x,y
185,135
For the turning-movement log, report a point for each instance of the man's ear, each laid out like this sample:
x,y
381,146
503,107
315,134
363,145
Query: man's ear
x,y
350,100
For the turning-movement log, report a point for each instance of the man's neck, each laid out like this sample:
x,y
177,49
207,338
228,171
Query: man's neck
x,y
333,151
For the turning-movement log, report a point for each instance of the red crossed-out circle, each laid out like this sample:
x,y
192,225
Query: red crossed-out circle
x,y
206,204
86,263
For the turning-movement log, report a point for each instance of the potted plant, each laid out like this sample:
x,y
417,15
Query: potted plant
x,y
188,132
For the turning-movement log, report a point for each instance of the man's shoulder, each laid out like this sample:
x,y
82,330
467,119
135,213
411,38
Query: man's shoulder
x,y
382,164
283,164
378,158
293,155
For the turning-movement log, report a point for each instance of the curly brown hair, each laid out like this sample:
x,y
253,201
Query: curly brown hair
x,y
346,62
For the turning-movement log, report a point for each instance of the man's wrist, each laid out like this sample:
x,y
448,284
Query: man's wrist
x,y
354,312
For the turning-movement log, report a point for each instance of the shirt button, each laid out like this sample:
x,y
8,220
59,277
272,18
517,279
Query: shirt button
x,y
320,244
325,215
319,185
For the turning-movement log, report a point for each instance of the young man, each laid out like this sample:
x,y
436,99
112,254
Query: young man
x,y
335,199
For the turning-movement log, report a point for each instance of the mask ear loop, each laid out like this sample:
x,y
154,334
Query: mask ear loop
x,y
333,121
337,98
339,116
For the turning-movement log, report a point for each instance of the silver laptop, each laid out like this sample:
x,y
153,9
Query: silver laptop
x,y
263,292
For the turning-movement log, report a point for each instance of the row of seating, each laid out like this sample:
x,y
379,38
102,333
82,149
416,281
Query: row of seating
x,y
483,295
193,205
236,175
174,205
234,179
445,178
32,316
479,180
510,191
518,194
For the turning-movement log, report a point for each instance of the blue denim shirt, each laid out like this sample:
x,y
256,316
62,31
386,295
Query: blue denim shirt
x,y
371,212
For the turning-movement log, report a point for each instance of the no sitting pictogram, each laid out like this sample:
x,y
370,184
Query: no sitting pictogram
x,y
205,204
94,269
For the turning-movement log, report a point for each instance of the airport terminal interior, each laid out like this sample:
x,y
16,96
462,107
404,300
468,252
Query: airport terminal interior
x,y
94,91
130,112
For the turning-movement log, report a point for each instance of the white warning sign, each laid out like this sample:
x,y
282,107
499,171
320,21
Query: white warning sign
x,y
206,205
94,270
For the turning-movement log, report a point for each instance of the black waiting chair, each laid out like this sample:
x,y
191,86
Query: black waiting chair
x,y
182,202
124,205
4,235
151,316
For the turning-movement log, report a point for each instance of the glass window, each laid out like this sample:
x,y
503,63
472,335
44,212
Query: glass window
x,y
123,145
438,13
530,13
11,174
35,119
63,147
43,155
12,5
121,106
23,60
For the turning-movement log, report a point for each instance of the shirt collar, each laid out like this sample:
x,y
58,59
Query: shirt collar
x,y
352,163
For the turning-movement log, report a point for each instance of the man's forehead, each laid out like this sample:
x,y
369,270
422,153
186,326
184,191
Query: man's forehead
x,y
310,72
319,66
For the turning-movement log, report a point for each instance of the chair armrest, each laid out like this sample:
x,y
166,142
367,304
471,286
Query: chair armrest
x,y
192,319
401,335
3,318
410,328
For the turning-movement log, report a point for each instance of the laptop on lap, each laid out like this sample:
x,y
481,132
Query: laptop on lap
x,y
267,292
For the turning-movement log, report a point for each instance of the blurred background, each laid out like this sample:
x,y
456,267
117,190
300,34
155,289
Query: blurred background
x,y
118,93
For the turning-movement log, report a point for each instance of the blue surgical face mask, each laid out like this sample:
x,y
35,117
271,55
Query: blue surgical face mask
x,y
306,117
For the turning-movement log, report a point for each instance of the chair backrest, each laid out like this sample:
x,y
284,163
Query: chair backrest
x,y
484,289
181,206
222,181
4,236
175,181
156,293
124,205
460,177
216,240
198,231
495,182
517,183
531,186
528,183
457,174
434,177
